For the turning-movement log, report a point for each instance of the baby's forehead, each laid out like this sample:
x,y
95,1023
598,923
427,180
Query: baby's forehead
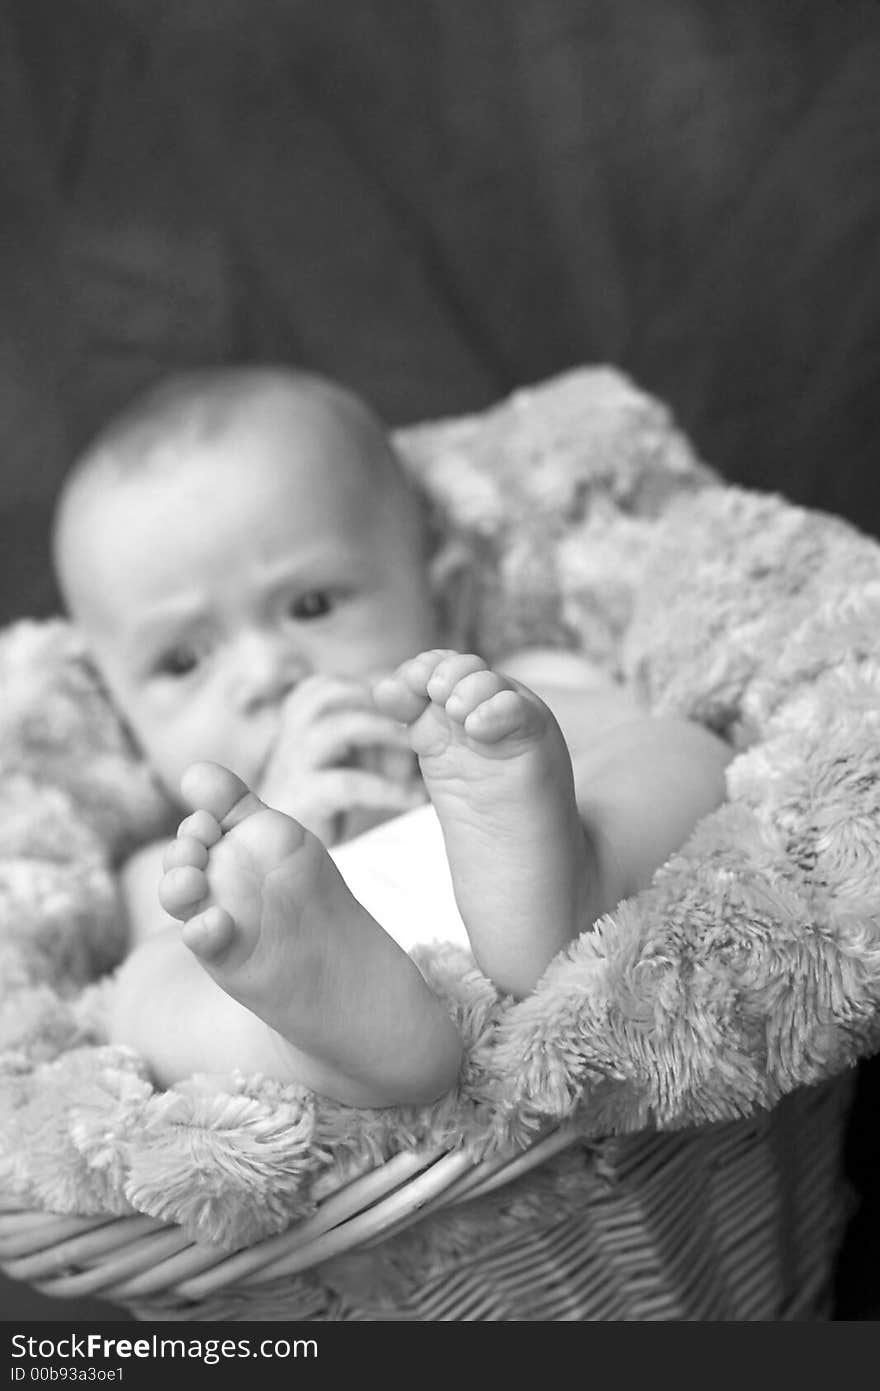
x,y
294,417
156,452
315,437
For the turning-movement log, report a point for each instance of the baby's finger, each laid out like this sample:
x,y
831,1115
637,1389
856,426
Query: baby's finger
x,y
318,695
336,736
343,789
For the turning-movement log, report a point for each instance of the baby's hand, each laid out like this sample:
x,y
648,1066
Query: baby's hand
x,y
338,760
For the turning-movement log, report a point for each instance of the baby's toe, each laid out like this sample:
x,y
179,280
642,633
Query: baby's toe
x,y
473,689
201,825
209,934
219,791
182,887
394,696
419,671
452,672
503,714
403,695
185,850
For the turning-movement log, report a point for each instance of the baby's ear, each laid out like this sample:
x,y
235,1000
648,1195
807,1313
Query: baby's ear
x,y
453,574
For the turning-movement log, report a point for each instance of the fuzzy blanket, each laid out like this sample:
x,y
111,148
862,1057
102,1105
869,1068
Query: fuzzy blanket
x,y
749,967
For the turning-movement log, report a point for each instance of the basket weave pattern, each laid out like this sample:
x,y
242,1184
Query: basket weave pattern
x,y
737,1221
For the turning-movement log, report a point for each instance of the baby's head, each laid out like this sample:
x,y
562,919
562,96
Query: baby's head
x,y
232,532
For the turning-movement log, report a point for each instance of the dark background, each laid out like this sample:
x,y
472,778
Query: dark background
x,y
436,201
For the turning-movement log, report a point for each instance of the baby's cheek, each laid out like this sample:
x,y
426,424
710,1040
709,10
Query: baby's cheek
x,y
394,632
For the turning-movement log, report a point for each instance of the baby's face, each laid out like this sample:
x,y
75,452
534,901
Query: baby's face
x,y
209,591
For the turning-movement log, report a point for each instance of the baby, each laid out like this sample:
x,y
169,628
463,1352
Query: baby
x,y
252,573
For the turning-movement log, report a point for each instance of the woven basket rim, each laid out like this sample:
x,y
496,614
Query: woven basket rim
x,y
134,1255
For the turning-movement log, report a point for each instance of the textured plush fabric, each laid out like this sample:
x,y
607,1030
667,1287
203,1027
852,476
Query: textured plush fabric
x,y
750,966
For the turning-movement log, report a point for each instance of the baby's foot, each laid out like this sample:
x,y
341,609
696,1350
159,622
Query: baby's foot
x,y
498,772
269,917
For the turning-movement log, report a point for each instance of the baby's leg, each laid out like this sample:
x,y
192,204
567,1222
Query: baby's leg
x,y
271,921
498,772
642,788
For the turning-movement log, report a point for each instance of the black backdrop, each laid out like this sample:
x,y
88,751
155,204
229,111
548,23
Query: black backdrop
x,y
436,201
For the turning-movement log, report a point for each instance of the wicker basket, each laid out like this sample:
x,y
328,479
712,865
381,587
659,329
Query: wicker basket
x,y
735,1221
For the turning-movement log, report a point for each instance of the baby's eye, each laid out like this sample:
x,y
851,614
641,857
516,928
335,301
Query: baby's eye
x,y
316,603
177,661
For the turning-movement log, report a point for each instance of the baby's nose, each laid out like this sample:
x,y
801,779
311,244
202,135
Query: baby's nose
x,y
268,671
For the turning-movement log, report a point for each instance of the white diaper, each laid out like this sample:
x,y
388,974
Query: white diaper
x,y
399,872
